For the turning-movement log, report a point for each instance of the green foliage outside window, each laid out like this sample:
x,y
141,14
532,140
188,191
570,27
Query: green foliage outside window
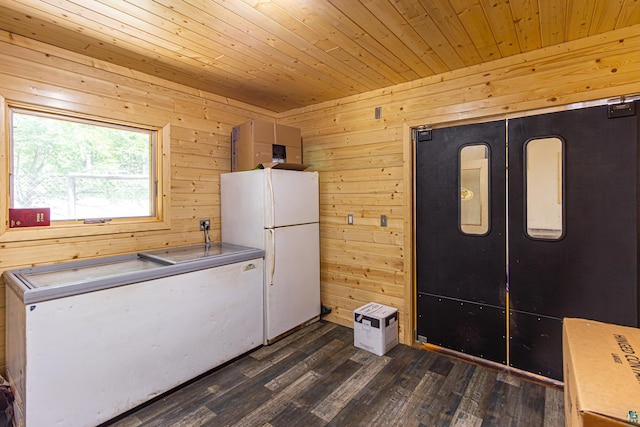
x,y
80,168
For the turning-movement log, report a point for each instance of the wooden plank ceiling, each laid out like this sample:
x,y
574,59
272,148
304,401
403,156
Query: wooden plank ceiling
x,y
286,54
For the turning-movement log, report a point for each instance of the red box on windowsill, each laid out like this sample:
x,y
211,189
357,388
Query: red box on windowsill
x,y
28,217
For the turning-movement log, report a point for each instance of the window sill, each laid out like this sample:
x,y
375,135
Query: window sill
x,y
77,229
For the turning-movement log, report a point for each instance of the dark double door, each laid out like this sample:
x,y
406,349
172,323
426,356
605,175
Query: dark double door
x,y
492,281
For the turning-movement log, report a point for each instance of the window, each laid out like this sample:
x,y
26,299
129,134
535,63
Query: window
x,y
99,175
474,189
544,188
81,169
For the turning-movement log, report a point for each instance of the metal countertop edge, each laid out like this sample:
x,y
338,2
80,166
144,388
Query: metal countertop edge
x,y
33,296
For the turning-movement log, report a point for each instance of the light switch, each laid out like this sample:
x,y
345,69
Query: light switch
x,y
350,219
383,220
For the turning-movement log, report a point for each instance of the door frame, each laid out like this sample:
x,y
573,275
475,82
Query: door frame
x,y
409,177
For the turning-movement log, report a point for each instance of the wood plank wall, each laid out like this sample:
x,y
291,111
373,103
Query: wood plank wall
x,y
200,131
366,164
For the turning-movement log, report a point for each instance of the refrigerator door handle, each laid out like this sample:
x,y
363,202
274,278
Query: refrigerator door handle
x,y
271,249
272,201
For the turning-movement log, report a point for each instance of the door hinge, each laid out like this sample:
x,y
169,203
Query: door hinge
x,y
625,109
423,134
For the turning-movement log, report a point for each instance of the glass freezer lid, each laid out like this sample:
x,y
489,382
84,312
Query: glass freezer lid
x,y
192,253
86,273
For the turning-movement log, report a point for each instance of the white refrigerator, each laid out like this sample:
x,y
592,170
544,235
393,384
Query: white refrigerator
x,y
278,210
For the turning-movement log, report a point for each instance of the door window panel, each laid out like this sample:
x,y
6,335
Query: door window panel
x,y
544,188
474,189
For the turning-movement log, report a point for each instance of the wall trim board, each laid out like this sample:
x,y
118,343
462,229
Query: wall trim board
x,y
64,59
621,40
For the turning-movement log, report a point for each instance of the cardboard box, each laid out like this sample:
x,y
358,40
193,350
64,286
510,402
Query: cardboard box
x,y
256,142
601,365
375,328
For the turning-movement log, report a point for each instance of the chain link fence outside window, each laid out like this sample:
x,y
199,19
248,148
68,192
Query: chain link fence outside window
x,y
79,168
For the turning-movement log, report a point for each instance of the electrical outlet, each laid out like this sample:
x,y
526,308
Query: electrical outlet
x,y
350,219
205,224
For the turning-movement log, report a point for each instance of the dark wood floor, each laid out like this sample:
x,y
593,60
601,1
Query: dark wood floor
x,y
316,377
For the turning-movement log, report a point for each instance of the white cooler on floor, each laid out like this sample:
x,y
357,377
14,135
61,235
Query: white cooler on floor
x,y
375,328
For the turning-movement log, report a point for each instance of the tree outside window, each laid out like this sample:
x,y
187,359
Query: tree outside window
x,y
81,168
